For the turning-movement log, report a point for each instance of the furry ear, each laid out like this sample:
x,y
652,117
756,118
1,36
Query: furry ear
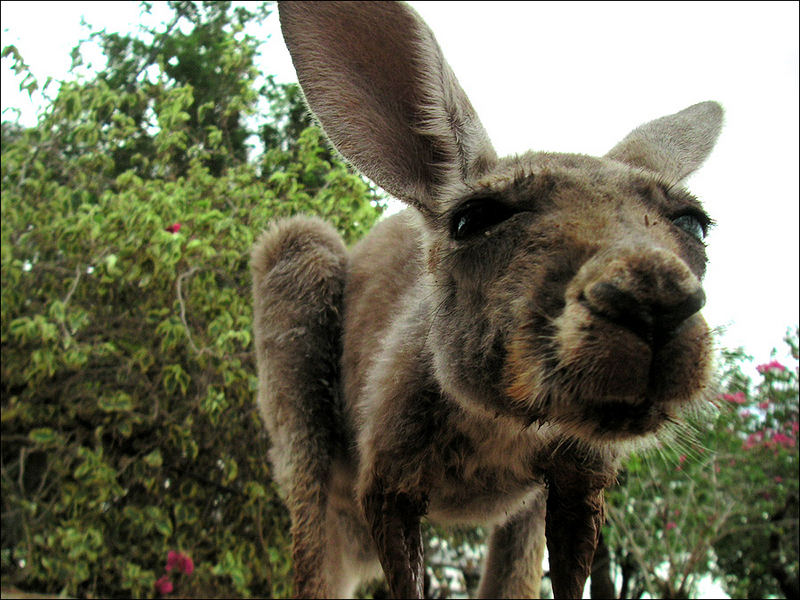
x,y
674,146
375,78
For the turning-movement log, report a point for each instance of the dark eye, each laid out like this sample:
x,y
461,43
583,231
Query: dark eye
x,y
478,216
692,224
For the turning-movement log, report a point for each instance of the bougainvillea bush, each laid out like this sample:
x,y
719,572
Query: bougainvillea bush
x,y
757,556
129,430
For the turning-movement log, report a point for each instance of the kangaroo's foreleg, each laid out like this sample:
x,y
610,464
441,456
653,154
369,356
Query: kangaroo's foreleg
x,y
575,514
513,567
394,518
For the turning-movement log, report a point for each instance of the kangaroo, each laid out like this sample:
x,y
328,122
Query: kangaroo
x,y
490,354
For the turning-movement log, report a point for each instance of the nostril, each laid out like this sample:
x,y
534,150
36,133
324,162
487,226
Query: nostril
x,y
607,300
669,317
650,319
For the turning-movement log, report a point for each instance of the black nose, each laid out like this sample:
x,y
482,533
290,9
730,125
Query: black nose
x,y
651,319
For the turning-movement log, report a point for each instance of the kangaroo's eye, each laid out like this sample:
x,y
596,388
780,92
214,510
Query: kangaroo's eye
x,y
692,224
478,216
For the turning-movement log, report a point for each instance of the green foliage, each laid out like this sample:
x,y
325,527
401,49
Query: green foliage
x,y
128,420
758,556
720,499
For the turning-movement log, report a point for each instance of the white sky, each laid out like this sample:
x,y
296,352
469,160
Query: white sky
x,y
577,77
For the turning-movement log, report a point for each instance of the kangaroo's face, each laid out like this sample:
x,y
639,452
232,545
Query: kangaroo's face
x,y
567,290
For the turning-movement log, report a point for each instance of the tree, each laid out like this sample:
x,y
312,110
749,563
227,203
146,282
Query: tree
x,y
718,498
759,556
133,459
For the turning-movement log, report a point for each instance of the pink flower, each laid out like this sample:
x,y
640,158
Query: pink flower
x,y
783,440
753,440
763,405
745,414
682,458
187,565
795,427
778,479
671,525
770,366
737,398
174,228
178,560
164,585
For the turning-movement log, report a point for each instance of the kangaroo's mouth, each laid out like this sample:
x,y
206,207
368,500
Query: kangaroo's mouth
x,y
621,419
609,382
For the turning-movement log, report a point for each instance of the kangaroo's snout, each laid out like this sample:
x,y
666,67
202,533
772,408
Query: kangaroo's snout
x,y
650,293
649,320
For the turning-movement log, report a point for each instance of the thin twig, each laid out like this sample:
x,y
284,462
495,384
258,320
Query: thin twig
x,y
65,302
72,288
181,277
21,477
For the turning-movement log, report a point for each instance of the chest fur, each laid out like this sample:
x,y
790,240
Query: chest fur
x,y
484,472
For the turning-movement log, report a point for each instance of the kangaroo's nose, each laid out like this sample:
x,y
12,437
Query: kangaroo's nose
x,y
651,292
648,319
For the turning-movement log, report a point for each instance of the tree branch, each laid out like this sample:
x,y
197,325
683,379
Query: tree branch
x,y
181,277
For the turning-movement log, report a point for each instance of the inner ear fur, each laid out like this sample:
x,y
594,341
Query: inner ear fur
x,y
673,146
375,78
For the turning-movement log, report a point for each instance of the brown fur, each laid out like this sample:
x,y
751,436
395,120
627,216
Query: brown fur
x,y
494,374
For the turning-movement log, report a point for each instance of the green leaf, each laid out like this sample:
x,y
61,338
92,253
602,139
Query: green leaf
x,y
163,526
111,263
116,402
154,459
45,436
255,490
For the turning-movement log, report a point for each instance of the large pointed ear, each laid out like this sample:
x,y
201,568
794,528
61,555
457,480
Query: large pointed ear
x,y
673,146
375,78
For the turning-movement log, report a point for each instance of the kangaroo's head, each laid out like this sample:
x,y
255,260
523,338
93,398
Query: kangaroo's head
x,y
559,288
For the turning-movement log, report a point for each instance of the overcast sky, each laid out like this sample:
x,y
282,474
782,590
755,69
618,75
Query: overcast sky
x,y
577,77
